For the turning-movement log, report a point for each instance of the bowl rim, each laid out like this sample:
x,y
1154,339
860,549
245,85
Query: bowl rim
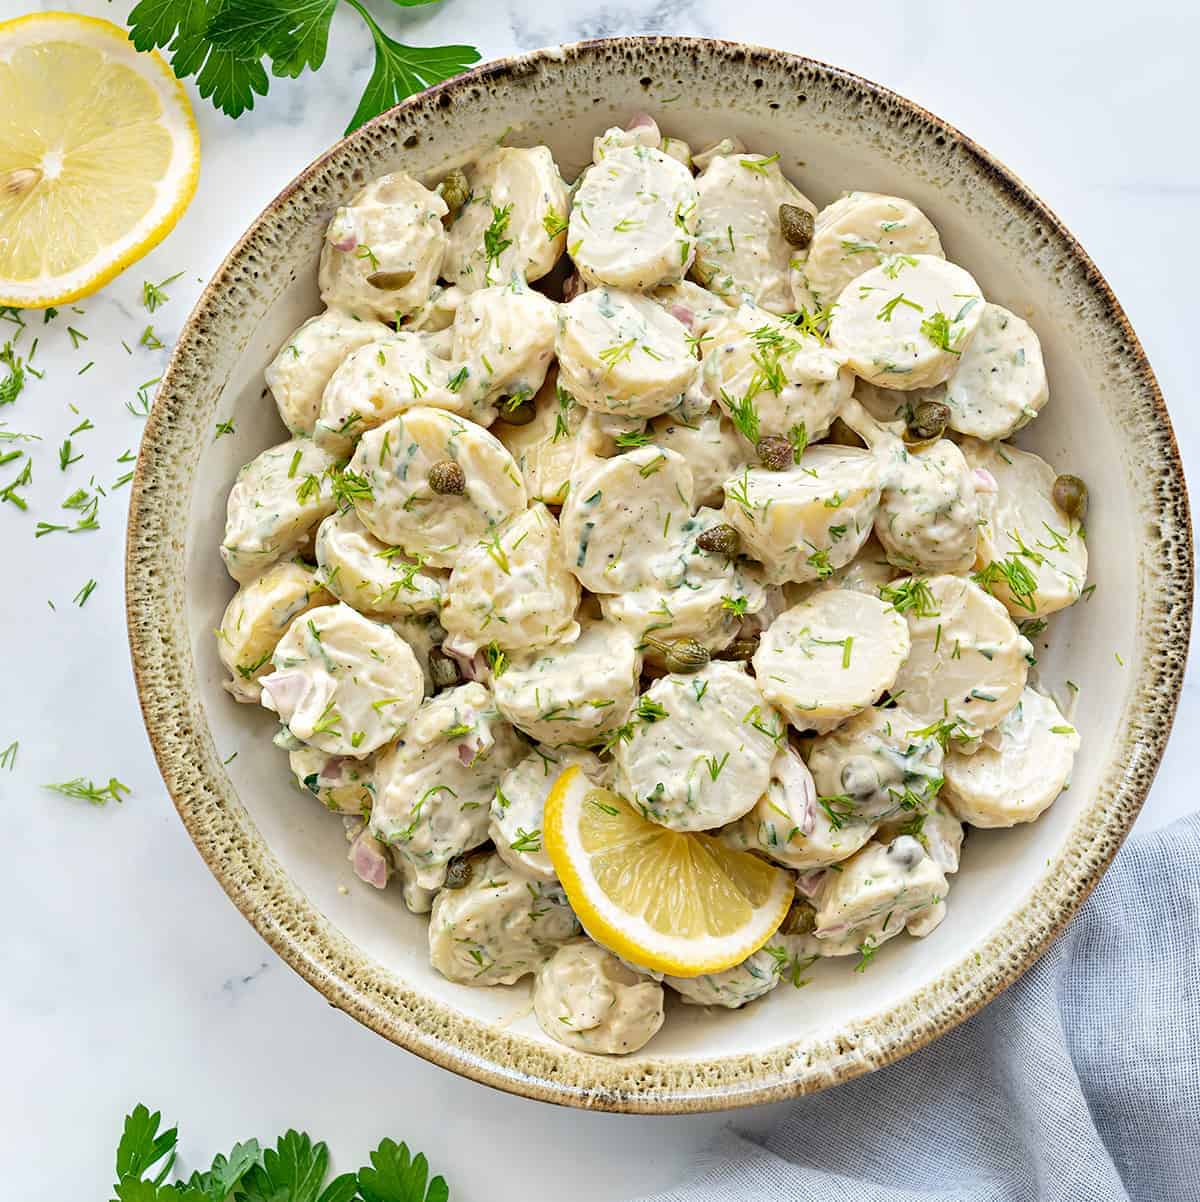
x,y
173,725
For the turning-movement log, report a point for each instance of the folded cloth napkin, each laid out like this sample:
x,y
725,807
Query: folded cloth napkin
x,y
1080,1082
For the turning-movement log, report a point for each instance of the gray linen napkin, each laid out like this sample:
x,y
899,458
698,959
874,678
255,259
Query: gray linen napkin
x,y
1080,1082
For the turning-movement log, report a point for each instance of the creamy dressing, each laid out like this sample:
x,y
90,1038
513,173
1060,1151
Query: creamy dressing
x,y
633,220
384,250
398,503
434,787
276,502
825,659
740,249
342,683
256,619
571,693
817,654
700,749
1023,765
622,353
770,377
1032,556
907,323
586,998
297,376
804,523
513,591
514,226
860,231
502,926
371,576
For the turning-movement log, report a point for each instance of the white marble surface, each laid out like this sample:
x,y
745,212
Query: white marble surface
x,y
127,974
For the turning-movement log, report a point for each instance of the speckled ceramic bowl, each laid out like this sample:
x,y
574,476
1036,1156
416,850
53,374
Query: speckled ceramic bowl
x,y
282,859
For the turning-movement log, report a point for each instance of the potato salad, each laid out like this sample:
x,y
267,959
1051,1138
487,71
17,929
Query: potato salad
x,y
669,481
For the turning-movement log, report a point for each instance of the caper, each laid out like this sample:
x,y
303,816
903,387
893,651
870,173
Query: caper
x,y
447,478
927,423
685,656
459,872
1071,496
390,281
455,190
721,540
443,669
796,225
740,649
520,414
775,453
800,920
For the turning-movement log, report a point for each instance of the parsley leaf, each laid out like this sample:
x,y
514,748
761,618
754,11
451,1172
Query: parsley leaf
x,y
402,70
218,1183
142,1145
396,1178
294,1171
227,45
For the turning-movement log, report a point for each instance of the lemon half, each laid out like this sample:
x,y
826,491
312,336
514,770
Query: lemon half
x,y
99,156
681,903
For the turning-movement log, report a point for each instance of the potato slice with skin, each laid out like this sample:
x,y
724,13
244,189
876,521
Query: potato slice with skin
x,y
858,232
257,617
519,805
433,788
617,521
874,767
936,829
342,683
770,377
642,131
503,346
512,590
400,507
701,748
278,499
1000,383
907,323
588,999
622,353
545,448
829,657
298,374
878,890
379,381
740,250
502,926
514,224
633,220
369,575
711,447
735,987
384,250
929,514
804,523
695,594
788,825
1032,556
573,693
1024,764
968,662
339,783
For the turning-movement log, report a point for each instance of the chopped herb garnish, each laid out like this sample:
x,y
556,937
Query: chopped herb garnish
x,y
87,790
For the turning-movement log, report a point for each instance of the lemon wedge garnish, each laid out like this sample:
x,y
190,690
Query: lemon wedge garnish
x,y
677,902
99,156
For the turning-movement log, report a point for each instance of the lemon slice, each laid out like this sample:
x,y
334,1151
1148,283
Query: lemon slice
x,y
681,903
99,156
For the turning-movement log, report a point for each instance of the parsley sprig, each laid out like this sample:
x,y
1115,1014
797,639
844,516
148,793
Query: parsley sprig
x,y
296,1169
228,44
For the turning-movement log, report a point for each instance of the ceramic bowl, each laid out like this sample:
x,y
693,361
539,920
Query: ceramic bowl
x,y
282,859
